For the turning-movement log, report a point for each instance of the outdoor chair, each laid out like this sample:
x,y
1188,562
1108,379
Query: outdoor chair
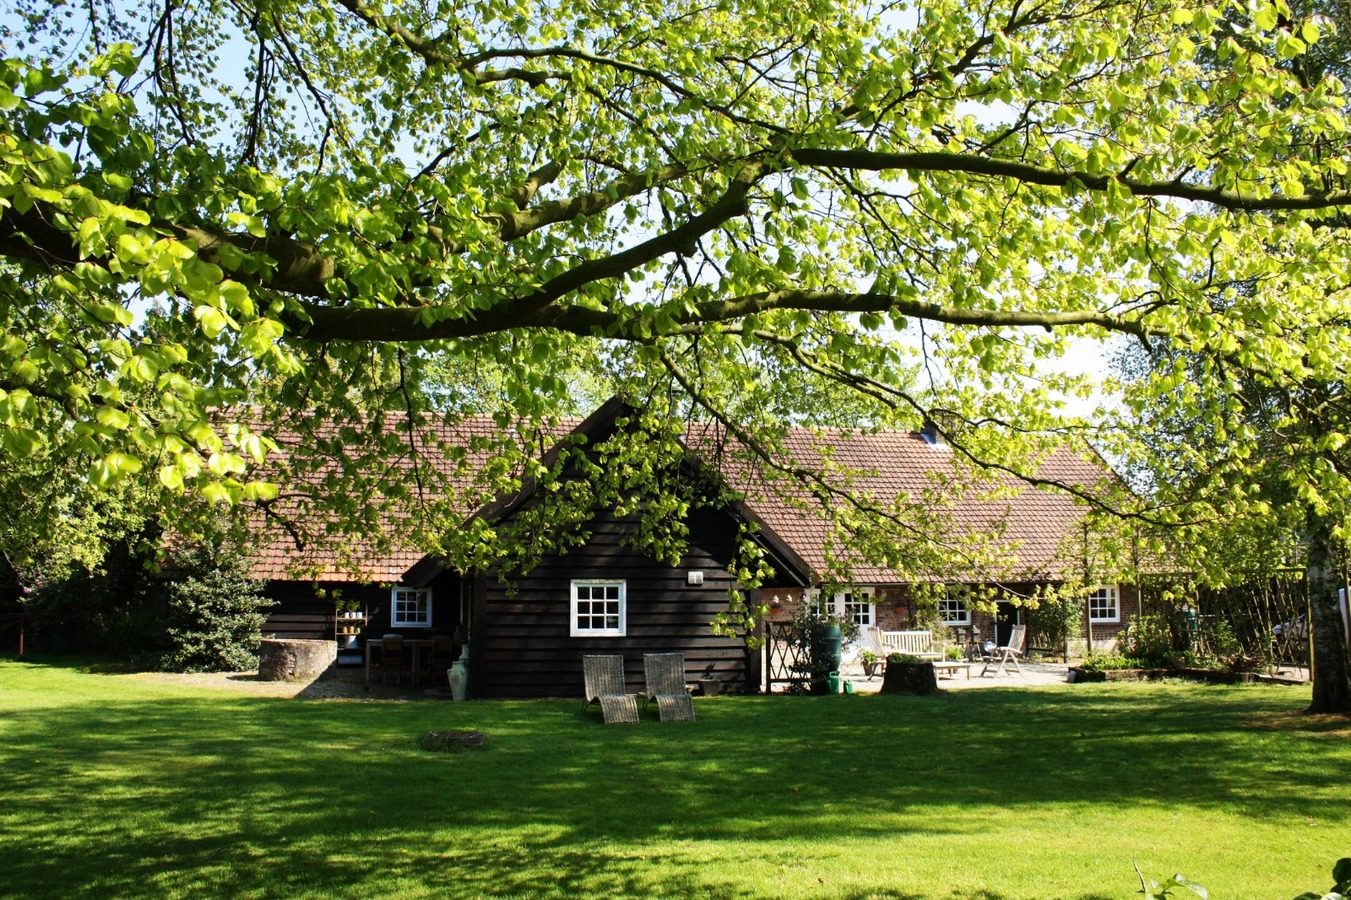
x,y
390,657
1008,654
603,678
665,676
443,657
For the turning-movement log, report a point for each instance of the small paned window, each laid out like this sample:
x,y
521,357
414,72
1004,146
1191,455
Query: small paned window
x,y
412,608
857,607
854,605
598,609
1104,604
952,606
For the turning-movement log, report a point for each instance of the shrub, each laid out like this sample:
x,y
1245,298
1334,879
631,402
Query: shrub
x,y
216,613
1057,619
1104,662
1149,639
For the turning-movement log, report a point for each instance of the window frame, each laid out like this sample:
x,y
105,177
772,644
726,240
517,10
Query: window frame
x,y
863,598
575,630
837,603
398,618
1105,591
959,596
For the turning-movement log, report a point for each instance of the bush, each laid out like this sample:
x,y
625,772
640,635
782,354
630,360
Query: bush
x,y
1149,639
812,630
1105,662
1055,619
216,613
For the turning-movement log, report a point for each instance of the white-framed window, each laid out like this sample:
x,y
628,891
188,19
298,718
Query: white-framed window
x,y
953,607
1104,604
599,609
855,604
410,608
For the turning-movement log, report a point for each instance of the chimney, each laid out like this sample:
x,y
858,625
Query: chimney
x,y
937,423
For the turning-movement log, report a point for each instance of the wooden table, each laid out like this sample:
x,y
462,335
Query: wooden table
x,y
416,645
951,666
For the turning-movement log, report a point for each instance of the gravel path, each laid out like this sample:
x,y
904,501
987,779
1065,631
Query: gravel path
x,y
336,684
1034,673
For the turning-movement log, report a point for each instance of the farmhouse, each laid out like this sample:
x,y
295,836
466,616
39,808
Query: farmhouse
x,y
525,633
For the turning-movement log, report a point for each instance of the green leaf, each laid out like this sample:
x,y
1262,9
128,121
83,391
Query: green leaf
x,y
118,181
236,297
261,490
216,493
212,321
21,442
112,418
171,477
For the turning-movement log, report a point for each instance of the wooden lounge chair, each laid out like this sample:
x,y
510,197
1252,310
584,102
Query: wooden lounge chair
x,y
665,675
1007,654
603,678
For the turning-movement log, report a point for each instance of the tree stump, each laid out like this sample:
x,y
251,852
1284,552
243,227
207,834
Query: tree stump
x,y
294,660
452,740
910,678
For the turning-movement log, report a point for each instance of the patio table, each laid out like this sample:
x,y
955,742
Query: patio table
x,y
952,666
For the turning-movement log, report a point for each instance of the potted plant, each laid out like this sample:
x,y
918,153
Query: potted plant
x,y
872,664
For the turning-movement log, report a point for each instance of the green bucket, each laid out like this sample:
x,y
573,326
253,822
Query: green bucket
x,y
833,683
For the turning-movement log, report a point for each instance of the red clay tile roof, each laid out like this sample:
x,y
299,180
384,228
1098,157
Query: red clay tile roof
x,y
1005,527
998,527
298,537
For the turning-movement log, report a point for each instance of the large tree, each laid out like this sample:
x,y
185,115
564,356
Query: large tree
x,y
256,206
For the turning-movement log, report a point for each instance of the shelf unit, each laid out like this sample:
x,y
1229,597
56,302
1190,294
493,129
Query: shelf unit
x,y
348,626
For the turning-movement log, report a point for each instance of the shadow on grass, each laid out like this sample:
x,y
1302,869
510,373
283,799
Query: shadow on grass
x,y
152,790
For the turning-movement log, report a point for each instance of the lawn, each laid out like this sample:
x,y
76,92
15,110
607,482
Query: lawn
x,y
113,787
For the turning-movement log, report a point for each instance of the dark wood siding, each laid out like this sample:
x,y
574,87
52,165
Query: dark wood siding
x,y
305,609
445,610
521,642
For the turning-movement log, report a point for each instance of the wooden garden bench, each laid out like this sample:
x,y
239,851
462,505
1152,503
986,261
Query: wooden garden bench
x,y
919,644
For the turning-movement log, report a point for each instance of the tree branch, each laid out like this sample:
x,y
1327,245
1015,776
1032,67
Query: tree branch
x,y
1029,174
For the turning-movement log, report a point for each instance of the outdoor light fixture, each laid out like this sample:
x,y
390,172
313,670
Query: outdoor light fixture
x,y
694,577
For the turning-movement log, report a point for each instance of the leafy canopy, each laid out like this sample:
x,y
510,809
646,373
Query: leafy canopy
x,y
213,213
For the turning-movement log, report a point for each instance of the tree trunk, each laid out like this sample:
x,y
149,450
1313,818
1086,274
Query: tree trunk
x,y
1328,656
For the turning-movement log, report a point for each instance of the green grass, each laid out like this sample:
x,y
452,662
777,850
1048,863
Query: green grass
x,y
116,787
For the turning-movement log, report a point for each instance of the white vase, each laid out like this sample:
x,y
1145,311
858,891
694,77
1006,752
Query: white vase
x,y
459,680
